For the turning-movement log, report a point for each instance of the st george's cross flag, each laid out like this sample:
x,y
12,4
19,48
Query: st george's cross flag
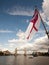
x,y
33,25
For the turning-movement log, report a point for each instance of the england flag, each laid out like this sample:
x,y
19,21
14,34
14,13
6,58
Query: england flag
x,y
33,25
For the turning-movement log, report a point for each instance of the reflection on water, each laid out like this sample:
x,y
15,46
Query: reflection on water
x,y
12,60
22,60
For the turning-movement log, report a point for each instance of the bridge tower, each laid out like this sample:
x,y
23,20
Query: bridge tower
x,y
25,52
16,52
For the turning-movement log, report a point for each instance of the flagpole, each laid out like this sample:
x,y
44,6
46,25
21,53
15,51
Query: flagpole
x,y
43,23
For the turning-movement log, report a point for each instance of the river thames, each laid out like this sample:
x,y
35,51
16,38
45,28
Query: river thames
x,y
24,60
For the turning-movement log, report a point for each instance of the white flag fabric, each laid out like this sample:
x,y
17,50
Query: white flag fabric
x,y
33,25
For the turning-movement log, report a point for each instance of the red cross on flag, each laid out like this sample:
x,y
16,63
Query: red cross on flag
x,y
33,25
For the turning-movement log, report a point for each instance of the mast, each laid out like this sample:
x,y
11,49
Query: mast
x,y
44,26
47,32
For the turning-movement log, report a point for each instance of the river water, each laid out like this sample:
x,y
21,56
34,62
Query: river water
x,y
23,60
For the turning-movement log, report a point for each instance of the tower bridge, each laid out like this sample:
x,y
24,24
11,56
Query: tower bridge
x,y
23,50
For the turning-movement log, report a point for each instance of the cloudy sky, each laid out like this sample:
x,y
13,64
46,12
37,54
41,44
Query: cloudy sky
x,y
15,16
